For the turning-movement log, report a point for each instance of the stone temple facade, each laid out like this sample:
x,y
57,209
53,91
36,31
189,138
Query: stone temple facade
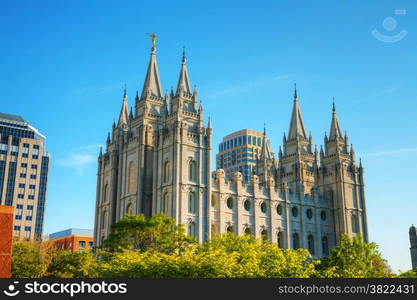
x,y
158,159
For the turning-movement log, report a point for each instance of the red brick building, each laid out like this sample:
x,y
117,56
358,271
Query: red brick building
x,y
75,240
6,239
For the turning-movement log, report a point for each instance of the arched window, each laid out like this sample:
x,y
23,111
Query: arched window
x,y
213,200
279,209
192,203
309,213
263,207
191,229
295,241
229,202
247,205
131,185
129,209
104,220
355,224
192,170
167,171
165,201
229,229
311,247
294,211
105,193
280,239
325,246
247,230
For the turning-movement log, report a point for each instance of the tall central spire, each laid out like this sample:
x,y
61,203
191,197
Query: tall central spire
x,y
152,84
124,115
183,80
335,131
297,125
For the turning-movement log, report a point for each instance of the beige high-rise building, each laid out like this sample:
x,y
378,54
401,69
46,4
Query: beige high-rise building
x,y
239,152
157,159
24,166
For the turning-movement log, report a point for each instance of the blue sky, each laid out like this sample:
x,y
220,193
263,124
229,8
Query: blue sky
x,y
64,65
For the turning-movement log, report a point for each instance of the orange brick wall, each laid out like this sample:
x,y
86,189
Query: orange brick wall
x,y
71,242
6,238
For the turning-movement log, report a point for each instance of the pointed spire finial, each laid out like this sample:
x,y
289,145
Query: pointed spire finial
x,y
264,129
295,91
334,106
183,54
209,123
124,92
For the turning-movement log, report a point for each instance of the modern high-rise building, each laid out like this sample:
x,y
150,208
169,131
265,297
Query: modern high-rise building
x,y
24,166
413,246
239,151
158,157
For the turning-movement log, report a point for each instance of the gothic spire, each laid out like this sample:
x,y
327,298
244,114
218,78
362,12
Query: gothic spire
x,y
124,112
183,80
152,84
266,151
335,131
297,124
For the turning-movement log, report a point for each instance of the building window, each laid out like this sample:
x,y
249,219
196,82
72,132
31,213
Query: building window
x,y
192,170
28,228
104,220
325,246
309,213
30,207
229,229
213,200
29,218
129,209
355,224
247,230
311,247
191,229
19,206
279,209
191,203
165,201
81,244
17,228
167,171
280,239
246,205
295,241
22,175
18,217
131,185
263,207
90,244
105,192
294,212
229,202
323,215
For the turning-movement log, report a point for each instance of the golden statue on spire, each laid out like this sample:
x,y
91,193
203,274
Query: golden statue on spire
x,y
153,37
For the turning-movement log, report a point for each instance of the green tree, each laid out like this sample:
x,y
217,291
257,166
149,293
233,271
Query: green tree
x,y
409,274
159,233
354,258
225,256
27,260
67,264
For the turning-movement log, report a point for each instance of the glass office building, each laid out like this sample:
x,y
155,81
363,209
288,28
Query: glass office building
x,y
238,152
24,166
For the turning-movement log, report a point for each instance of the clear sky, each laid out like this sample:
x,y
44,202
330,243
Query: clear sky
x,y
64,65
